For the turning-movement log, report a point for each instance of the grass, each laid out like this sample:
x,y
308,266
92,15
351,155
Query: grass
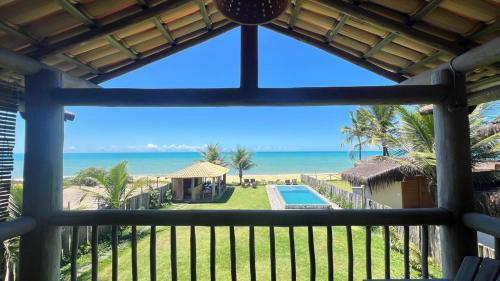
x,y
345,185
250,198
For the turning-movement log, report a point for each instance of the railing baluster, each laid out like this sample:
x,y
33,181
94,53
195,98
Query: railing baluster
x,y
406,251
293,270
312,257
74,252
425,251
497,248
251,251
387,252
329,248
95,253
272,250
212,254
368,254
114,253
232,245
152,253
192,243
350,254
134,253
173,252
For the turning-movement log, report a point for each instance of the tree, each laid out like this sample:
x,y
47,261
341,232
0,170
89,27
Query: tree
x,y
87,177
242,160
356,133
416,142
381,125
11,246
116,186
213,155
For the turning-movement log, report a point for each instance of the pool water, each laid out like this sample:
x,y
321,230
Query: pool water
x,y
299,195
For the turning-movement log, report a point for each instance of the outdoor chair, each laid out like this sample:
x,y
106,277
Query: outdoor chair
x,y
246,182
294,181
253,183
472,268
287,182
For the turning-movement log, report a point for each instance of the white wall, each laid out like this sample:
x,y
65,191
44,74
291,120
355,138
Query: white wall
x,y
388,195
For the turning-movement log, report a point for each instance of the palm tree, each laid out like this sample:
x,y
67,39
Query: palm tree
x,y
380,122
416,142
11,246
354,133
213,155
115,183
242,160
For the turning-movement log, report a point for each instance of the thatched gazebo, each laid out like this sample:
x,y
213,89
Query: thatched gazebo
x,y
200,181
390,183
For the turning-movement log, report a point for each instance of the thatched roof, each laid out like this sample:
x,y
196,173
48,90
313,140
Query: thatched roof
x,y
374,172
490,129
426,109
101,39
200,170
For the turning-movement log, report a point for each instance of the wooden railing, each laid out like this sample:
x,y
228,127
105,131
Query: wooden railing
x,y
486,224
252,219
15,228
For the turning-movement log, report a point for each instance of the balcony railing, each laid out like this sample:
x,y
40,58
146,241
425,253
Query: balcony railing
x,y
252,219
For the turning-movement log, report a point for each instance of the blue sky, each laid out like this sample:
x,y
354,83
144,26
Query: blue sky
x,y
283,62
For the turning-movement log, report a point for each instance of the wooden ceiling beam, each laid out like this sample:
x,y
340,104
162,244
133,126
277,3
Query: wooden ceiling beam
x,y
425,10
381,44
393,26
79,63
142,3
297,6
484,31
164,53
107,29
336,27
325,46
422,62
120,46
19,33
164,30
204,14
76,13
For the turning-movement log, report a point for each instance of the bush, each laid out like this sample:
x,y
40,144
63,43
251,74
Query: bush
x,y
155,200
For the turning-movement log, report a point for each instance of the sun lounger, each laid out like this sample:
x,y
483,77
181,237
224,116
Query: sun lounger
x,y
294,181
287,182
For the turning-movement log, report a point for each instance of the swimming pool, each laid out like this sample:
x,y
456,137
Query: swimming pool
x,y
301,197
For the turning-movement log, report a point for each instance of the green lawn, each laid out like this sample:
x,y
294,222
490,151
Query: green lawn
x,y
345,185
249,198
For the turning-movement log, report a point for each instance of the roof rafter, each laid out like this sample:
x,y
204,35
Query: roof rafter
x,y
297,6
77,13
107,29
392,25
120,46
19,33
164,30
204,14
165,52
486,30
428,59
381,44
142,3
78,62
336,27
325,46
425,10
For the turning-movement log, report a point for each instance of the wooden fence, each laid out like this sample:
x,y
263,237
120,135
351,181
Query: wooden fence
x,y
357,201
136,202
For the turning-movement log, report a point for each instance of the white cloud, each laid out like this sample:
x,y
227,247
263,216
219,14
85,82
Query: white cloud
x,y
152,146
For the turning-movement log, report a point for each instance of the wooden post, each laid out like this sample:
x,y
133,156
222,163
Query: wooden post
x,y
249,58
454,177
43,163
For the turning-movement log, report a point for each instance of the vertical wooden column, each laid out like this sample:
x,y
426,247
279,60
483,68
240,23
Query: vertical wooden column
x,y
454,178
249,79
43,164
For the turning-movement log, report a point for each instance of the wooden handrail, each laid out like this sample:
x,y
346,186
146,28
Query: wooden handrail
x,y
484,223
17,227
431,216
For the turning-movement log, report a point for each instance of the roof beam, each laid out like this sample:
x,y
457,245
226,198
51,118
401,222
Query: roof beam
x,y
336,27
325,46
381,44
164,30
317,96
19,33
425,10
76,61
426,60
75,12
392,25
107,29
119,45
140,62
297,5
483,96
204,14
486,30
142,3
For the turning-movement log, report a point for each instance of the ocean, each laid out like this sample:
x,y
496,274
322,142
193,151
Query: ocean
x,y
161,163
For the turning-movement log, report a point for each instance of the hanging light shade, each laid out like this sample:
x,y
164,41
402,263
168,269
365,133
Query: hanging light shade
x,y
251,12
